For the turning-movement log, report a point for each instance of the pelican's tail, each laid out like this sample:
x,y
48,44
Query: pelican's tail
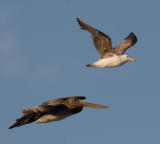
x,y
28,118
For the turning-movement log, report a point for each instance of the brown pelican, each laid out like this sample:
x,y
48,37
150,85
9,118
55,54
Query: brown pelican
x,y
109,56
54,110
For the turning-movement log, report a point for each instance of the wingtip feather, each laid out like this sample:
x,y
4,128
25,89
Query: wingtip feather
x,y
131,37
83,25
10,127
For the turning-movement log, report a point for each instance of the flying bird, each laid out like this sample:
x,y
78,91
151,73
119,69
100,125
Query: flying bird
x,y
109,56
54,110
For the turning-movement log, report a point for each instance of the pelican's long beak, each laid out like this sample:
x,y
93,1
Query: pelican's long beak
x,y
131,59
92,105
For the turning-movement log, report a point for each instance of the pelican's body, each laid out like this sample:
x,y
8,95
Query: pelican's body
x,y
54,110
61,114
109,56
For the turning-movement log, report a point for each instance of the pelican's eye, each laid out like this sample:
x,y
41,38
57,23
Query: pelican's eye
x,y
76,99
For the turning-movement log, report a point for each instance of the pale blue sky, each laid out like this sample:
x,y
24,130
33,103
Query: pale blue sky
x,y
43,54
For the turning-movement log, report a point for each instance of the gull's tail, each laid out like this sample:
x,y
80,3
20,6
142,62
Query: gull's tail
x,y
90,65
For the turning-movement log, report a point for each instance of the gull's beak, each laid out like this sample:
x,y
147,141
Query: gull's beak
x,y
131,59
92,105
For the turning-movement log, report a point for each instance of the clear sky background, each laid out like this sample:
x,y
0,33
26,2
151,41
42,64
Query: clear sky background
x,y
43,54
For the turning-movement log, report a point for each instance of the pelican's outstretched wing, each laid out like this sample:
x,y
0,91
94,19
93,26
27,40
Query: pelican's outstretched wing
x,y
42,113
51,105
101,41
55,103
129,41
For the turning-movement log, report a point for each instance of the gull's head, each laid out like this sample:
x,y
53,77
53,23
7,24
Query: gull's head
x,y
127,58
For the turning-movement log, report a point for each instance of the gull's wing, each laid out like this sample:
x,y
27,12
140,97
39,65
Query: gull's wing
x,y
101,41
129,41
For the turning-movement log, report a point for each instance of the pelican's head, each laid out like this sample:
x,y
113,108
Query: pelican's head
x,y
79,101
127,58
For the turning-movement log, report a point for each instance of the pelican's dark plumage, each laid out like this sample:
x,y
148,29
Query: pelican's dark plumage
x,y
54,110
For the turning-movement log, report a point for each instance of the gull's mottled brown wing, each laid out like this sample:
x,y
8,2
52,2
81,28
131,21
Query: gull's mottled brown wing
x,y
101,41
129,41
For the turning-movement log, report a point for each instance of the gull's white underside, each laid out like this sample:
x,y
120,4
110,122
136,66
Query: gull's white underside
x,y
113,61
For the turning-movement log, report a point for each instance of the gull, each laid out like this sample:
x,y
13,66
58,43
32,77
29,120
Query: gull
x,y
54,110
109,56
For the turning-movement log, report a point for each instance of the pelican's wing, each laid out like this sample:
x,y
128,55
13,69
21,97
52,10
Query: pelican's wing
x,y
101,41
55,101
43,111
129,41
46,106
